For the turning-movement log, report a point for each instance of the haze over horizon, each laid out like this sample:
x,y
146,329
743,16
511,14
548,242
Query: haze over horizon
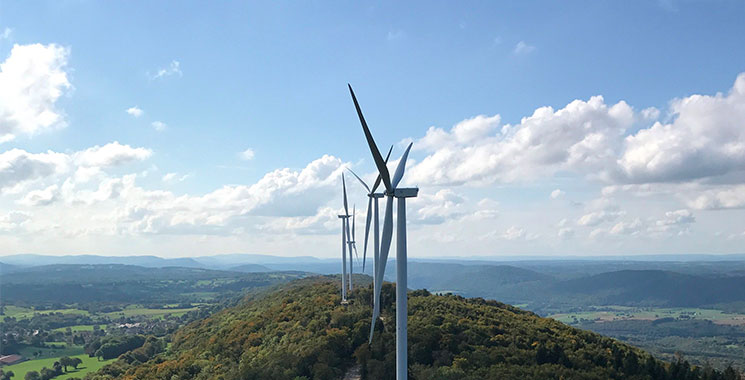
x,y
585,130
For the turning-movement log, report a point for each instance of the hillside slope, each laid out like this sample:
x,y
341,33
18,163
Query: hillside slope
x,y
300,331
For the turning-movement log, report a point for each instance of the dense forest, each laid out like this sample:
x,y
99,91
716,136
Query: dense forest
x,y
301,331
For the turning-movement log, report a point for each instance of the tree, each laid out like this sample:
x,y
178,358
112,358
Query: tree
x,y
32,375
6,375
76,362
65,361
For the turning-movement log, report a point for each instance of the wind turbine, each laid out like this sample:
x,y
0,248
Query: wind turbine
x,y
392,191
373,202
344,234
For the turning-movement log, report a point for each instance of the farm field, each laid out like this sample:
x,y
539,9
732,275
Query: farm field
x,y
18,312
134,310
621,313
76,328
52,350
89,365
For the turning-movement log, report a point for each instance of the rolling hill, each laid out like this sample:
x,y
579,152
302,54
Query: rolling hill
x,y
300,331
655,288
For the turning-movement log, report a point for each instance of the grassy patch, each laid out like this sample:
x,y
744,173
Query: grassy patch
x,y
132,311
76,328
25,312
53,350
89,365
620,313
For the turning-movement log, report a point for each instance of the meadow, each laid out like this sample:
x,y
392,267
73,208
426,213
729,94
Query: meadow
x,y
621,313
89,365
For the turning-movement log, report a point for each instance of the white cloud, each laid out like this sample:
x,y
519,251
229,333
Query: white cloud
x,y
514,233
247,154
42,197
18,166
174,177
523,48
111,154
650,113
159,126
634,227
173,69
13,220
487,209
721,197
135,111
597,217
556,194
705,139
437,208
676,218
697,157
32,79
583,136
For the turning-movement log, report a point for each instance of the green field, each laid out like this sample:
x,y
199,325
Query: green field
x,y
89,365
77,328
619,313
54,350
134,310
25,312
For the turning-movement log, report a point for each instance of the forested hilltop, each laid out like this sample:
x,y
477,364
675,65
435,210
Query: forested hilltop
x,y
301,331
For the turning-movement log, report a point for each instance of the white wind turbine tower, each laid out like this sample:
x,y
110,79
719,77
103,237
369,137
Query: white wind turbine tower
x,y
352,246
344,233
392,191
372,202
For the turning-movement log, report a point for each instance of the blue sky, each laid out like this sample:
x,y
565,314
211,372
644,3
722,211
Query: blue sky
x,y
271,77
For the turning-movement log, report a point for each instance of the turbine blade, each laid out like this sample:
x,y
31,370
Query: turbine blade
x,y
401,167
344,186
377,180
382,259
382,169
367,233
361,181
386,236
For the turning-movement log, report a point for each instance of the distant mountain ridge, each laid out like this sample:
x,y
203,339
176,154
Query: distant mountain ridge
x,y
26,260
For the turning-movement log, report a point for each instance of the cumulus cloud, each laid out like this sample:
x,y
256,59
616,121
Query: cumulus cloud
x,y
247,154
705,139
32,79
135,111
41,197
291,197
5,35
518,233
720,197
633,227
111,154
13,220
583,136
437,208
174,177
18,166
696,156
597,217
556,194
